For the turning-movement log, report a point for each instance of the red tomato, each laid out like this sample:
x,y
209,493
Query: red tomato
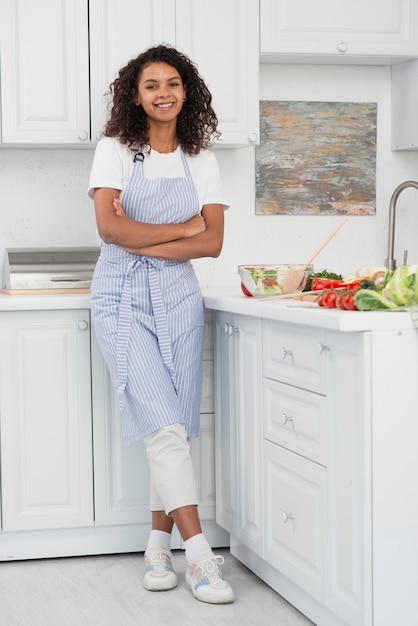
x,y
349,302
330,299
269,282
245,291
341,301
346,302
320,299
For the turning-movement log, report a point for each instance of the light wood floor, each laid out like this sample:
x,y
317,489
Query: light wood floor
x,y
107,591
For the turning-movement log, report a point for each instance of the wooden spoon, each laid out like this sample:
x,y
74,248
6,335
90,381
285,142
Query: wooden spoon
x,y
295,277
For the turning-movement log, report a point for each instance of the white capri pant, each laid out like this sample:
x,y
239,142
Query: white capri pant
x,y
172,482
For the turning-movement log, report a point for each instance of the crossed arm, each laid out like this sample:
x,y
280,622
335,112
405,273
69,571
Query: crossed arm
x,y
200,236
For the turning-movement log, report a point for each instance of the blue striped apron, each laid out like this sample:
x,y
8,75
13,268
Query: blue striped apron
x,y
148,315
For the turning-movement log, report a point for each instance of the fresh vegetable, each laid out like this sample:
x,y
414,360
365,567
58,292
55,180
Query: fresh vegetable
x,y
322,274
265,280
329,299
369,270
367,284
382,290
402,288
318,284
346,301
245,290
368,300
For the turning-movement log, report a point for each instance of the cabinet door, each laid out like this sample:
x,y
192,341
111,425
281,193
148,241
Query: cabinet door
x,y
349,476
373,31
121,473
404,99
250,434
225,420
44,71
119,31
225,48
45,413
295,518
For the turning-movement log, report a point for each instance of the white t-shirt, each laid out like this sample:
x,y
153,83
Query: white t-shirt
x,y
113,165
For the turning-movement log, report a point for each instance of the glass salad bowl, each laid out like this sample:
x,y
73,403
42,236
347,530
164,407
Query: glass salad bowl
x,y
273,280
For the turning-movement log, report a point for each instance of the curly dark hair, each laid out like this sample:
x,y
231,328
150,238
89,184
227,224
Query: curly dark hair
x,y
197,122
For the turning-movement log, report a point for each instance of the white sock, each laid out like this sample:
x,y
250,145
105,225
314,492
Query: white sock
x,y
195,546
159,538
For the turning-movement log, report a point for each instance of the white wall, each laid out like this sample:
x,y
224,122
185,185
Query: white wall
x,y
43,198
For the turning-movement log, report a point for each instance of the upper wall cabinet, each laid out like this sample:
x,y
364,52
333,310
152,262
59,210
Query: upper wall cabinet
x,y
119,31
226,52
44,71
381,32
56,68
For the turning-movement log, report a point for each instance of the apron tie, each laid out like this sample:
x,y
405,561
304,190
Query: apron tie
x,y
125,320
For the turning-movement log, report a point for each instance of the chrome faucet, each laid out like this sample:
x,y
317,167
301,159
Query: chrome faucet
x,y
390,262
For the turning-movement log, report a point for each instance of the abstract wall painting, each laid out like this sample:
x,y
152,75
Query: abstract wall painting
x,y
316,158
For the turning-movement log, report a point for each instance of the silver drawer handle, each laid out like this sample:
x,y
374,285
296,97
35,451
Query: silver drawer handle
x,y
286,353
287,516
322,347
229,329
286,418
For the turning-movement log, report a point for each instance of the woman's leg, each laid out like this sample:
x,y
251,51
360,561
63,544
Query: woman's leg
x,y
173,485
161,521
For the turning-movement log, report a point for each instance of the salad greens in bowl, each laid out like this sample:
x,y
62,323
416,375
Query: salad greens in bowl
x,y
273,280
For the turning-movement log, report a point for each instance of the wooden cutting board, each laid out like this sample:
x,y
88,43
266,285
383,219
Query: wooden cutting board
x,y
48,292
306,297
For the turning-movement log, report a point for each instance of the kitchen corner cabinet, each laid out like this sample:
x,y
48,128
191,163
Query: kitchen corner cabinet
x,y
317,464
325,31
55,72
69,485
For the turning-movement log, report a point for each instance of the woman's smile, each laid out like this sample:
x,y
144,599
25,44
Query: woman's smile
x,y
161,91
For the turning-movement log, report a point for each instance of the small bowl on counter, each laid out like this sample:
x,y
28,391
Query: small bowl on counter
x,y
260,281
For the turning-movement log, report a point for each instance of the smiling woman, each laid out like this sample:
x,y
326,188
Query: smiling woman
x,y
159,203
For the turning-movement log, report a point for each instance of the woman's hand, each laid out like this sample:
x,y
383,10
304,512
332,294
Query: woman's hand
x,y
194,226
118,207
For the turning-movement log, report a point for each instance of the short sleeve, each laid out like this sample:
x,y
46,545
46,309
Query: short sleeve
x,y
206,174
110,166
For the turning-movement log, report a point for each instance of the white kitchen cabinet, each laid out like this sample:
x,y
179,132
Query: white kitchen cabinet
x,y
56,72
330,31
44,72
250,491
404,105
295,453
69,485
295,518
226,52
45,420
338,498
226,407
239,485
119,30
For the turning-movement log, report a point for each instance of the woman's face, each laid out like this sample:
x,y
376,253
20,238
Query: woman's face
x,y
161,92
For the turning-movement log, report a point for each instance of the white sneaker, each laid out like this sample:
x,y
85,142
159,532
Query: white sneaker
x,y
207,582
159,574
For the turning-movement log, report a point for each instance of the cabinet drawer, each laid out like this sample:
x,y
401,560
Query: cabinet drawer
x,y
295,518
295,355
295,419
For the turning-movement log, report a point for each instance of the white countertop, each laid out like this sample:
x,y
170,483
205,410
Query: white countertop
x,y
44,302
231,300
297,312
